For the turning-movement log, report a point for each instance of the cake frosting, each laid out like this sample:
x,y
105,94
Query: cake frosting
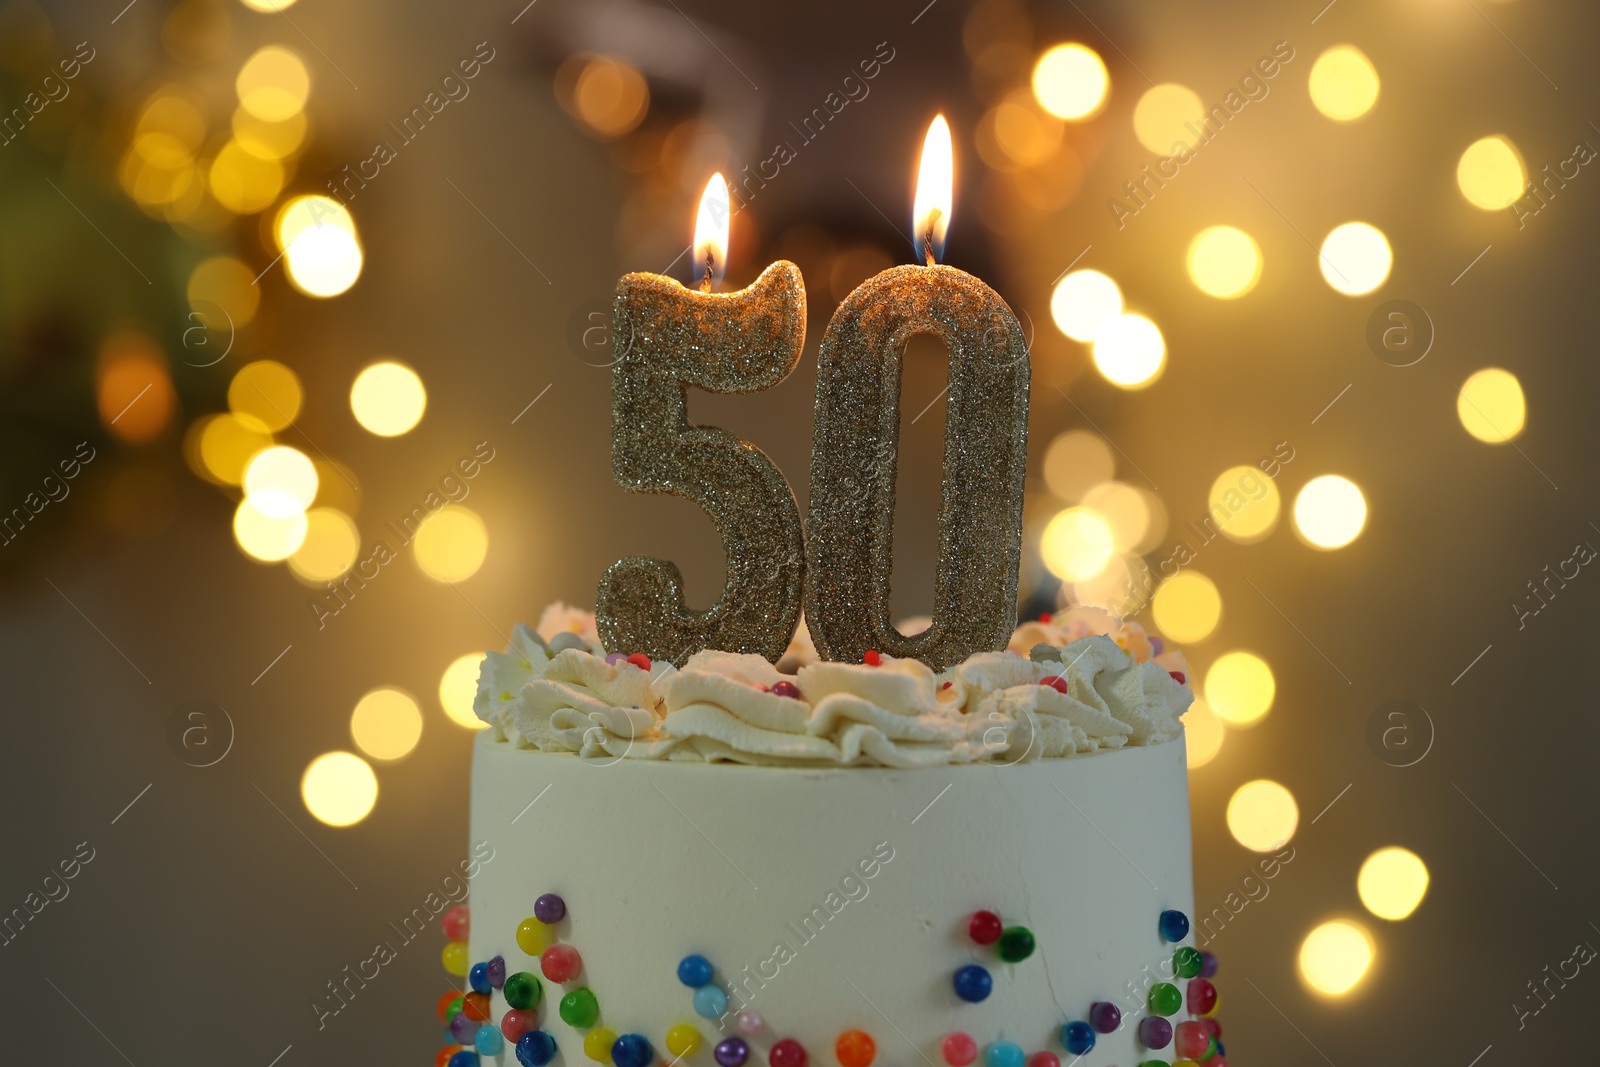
x,y
1075,684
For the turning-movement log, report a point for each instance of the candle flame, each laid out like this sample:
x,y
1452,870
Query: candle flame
x,y
711,233
930,213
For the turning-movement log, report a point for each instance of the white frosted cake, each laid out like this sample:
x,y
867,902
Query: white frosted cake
x,y
735,862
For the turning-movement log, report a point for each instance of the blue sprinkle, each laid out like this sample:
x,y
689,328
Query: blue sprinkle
x,y
632,1050
694,971
464,1058
973,984
1077,1038
534,1049
479,977
1174,926
710,1002
1003,1054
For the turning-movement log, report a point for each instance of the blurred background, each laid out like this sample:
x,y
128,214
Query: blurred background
x,y
303,365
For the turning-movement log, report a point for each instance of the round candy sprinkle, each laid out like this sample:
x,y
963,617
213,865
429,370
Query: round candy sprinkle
x,y
535,1048
787,1053
972,983
959,1049
1077,1038
1177,676
1213,1028
786,689
1046,1059
523,990
1016,944
1003,1054
1155,1032
632,1050
732,1052
515,1023
597,1044
443,1058
1157,646
560,963
694,971
855,1048
1190,1040
1174,925
475,1006
454,958
443,1006
1165,998
533,936
549,909
1208,968
984,927
580,1008
454,1007
1105,1016
615,658
1186,962
710,1002
463,1029
489,1041
478,978
1203,997
464,1058
871,658
682,1040
1054,681
640,660
455,923
750,1022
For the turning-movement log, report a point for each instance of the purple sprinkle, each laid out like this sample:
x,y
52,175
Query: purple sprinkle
x,y
1105,1016
497,972
786,689
1156,646
549,909
1208,964
464,1029
732,1052
616,658
1155,1032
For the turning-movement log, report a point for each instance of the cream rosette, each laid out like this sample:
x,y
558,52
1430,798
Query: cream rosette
x,y
502,675
584,705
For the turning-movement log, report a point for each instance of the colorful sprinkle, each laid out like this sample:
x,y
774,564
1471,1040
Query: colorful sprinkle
x,y
443,1006
615,658
463,1029
454,1007
750,1022
597,1043
682,1040
1077,1038
560,963
1003,1054
1044,1058
732,1051
694,971
959,1049
478,978
523,990
489,1041
455,922
1016,944
787,1053
1203,997
1213,1028
984,927
1055,681
580,1008
1165,998
443,1058
535,1048
1191,1041
1177,676
475,1006
855,1048
640,660
454,958
1155,1032
871,658
496,969
1186,962
1045,617
1208,969
533,936
972,983
464,1058
1105,1016
710,1002
632,1050
1157,646
549,909
515,1023
786,689
1174,925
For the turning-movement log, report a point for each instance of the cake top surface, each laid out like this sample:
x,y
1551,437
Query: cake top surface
x,y
1072,684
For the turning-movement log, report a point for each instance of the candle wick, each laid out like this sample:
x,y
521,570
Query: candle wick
x,y
927,237
711,266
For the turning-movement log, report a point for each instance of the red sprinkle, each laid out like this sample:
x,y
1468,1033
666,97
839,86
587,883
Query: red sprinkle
x,y
872,659
640,660
945,686
1177,676
1056,682
1046,617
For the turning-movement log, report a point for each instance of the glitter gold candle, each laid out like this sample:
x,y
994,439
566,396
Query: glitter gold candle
x,y
669,338
855,446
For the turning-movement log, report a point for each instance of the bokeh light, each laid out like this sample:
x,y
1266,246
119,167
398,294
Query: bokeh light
x,y
280,482
1330,511
268,6
223,446
1077,544
458,687
1392,882
170,129
339,788
1025,134
307,212
133,391
330,547
264,537
244,182
266,391
225,282
1083,302
1240,688
1168,118
1491,174
321,247
1491,407
386,723
1224,262
1076,462
451,544
1262,815
1335,956
1355,258
609,96
1344,83
388,398
1070,82
273,84
1187,607
1203,734
1125,509
269,140
1244,504
1129,351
